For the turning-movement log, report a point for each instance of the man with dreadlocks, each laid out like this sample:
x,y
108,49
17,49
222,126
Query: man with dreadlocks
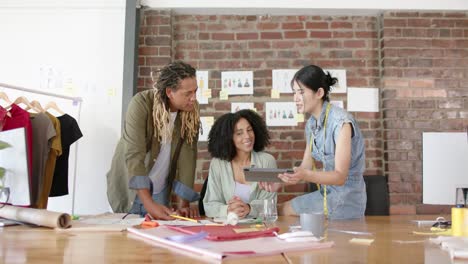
x,y
156,155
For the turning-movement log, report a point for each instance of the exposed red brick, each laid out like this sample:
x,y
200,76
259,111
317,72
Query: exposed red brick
x,y
271,35
295,34
341,25
320,34
292,25
222,36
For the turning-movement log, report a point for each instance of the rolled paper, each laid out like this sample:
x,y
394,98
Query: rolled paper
x,y
40,217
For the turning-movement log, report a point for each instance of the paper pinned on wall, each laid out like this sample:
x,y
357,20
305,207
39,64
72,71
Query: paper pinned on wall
x,y
239,106
203,93
281,113
281,80
341,85
237,82
363,99
206,123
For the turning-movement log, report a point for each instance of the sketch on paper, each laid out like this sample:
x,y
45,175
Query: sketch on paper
x,y
237,82
239,106
280,113
203,91
341,85
281,80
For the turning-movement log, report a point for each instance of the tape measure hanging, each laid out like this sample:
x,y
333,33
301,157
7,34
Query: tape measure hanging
x,y
314,168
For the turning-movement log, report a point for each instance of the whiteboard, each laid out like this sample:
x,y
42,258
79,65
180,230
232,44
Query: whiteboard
x,y
14,160
445,166
75,52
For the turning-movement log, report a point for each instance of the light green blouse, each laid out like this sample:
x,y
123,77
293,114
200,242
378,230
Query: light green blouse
x,y
221,185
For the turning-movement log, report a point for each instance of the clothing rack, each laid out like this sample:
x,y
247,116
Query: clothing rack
x,y
75,100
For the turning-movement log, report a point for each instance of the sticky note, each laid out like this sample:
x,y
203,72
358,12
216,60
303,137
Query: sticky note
x,y
299,118
223,95
69,87
362,241
254,109
111,92
209,120
275,93
206,93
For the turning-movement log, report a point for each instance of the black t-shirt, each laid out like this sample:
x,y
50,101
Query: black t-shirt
x,y
70,132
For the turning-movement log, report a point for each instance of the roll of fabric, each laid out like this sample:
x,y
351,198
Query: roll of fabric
x,y
38,217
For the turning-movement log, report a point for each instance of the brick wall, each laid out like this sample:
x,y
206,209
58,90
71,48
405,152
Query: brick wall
x,y
154,44
424,81
261,44
421,72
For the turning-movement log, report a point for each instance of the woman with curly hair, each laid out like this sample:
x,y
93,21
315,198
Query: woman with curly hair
x,y
156,155
236,141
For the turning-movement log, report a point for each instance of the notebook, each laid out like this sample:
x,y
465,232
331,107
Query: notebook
x,y
222,250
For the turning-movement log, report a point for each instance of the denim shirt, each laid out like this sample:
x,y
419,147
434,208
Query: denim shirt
x,y
348,200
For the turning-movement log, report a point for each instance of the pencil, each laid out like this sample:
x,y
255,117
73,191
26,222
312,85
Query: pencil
x,y
184,218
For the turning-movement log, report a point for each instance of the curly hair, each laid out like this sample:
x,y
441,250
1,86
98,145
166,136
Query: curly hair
x,y
170,77
220,138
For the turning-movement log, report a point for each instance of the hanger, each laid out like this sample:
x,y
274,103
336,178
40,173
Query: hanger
x,y
36,106
5,98
25,101
54,106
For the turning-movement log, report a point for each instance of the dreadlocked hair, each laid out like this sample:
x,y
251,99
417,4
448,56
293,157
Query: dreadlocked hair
x,y
170,77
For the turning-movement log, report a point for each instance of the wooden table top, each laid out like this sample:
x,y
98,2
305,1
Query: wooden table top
x,y
22,244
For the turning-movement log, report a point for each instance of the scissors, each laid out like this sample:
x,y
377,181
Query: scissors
x,y
442,223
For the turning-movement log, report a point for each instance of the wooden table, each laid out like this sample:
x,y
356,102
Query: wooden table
x,y
40,245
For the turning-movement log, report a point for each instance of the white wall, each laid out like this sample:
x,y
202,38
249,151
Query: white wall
x,y
76,50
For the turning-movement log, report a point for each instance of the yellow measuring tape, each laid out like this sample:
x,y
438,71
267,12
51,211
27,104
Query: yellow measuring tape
x,y
314,168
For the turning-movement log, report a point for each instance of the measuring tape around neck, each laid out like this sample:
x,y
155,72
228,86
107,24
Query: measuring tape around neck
x,y
314,168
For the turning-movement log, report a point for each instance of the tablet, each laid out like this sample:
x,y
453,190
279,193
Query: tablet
x,y
264,174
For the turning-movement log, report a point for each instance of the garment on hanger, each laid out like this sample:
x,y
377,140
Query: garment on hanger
x,y
3,115
43,135
54,152
20,118
70,132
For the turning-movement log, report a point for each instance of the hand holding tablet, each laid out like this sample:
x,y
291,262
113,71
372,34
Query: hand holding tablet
x,y
264,174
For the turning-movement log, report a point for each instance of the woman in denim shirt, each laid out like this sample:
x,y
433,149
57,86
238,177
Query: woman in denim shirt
x,y
333,138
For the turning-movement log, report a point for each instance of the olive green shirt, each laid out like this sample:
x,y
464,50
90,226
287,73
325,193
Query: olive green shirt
x,y
139,141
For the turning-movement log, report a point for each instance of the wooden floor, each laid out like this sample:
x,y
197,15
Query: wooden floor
x,y
22,244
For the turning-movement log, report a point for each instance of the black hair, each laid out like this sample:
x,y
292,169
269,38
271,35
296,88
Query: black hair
x,y
220,142
314,78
